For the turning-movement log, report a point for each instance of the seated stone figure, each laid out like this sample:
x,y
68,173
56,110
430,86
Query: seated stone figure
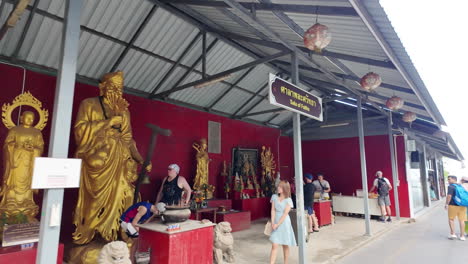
x,y
115,253
223,243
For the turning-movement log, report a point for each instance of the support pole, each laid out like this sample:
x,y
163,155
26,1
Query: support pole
x,y
60,131
394,166
298,166
362,151
204,55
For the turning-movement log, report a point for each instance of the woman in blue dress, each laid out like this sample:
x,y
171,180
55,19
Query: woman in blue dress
x,y
283,233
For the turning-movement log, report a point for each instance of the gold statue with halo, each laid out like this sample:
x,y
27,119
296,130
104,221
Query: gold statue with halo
x,y
104,139
22,145
202,174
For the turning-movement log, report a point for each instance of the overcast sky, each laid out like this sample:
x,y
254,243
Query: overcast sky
x,y
435,36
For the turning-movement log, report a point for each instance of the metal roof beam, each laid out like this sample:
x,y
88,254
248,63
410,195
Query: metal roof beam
x,y
134,37
120,42
25,30
324,53
276,110
250,99
176,64
301,9
190,70
224,73
217,100
349,77
421,92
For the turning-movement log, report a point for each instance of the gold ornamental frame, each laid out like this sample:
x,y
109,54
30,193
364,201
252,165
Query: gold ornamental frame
x,y
24,99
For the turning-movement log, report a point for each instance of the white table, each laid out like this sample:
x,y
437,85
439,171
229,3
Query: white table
x,y
354,205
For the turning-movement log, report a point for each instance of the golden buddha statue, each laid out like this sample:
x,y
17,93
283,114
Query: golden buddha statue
x,y
22,145
105,143
202,174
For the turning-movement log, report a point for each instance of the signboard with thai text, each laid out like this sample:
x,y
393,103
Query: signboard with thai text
x,y
20,234
293,98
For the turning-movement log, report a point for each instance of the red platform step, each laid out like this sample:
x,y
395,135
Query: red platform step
x,y
258,207
15,255
239,220
220,202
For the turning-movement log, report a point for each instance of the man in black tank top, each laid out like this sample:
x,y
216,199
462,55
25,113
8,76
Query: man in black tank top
x,y
172,187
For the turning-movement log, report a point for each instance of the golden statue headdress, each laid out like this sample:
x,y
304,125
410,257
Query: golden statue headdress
x,y
111,77
24,99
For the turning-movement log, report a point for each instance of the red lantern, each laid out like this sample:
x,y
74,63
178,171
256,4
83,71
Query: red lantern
x,y
370,81
409,117
317,37
395,103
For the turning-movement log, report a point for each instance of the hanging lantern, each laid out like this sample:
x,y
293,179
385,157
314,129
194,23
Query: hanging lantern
x,y
395,103
370,81
409,117
317,37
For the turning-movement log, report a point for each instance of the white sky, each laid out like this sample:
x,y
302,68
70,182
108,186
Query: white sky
x,y
435,35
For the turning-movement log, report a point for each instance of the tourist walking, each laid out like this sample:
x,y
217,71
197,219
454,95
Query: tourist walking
x,y
383,187
282,233
454,210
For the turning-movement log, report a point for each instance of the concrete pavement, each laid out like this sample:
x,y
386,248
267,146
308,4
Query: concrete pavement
x,y
252,246
422,242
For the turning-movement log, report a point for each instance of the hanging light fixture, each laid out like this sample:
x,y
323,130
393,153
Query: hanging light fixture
x,y
317,37
395,103
409,117
370,81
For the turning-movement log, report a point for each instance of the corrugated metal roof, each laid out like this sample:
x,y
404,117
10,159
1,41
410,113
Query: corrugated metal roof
x,y
167,36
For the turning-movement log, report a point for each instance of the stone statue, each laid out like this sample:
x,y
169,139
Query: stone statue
x,y
22,145
202,174
115,253
223,244
104,139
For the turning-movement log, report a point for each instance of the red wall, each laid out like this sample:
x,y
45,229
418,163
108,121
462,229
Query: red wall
x,y
339,161
187,127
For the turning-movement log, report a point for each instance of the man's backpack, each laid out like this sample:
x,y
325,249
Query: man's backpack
x,y
461,195
382,188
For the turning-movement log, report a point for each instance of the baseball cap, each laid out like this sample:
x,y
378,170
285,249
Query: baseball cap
x,y
308,176
174,167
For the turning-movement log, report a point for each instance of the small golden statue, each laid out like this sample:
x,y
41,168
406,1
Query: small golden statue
x,y
202,175
268,164
105,143
22,145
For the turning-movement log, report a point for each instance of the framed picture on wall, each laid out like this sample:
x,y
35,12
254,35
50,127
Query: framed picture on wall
x,y
242,156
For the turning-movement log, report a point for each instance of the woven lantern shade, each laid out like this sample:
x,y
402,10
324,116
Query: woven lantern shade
x,y
409,117
395,103
370,81
317,37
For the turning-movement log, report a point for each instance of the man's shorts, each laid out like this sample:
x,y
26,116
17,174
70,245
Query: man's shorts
x,y
384,200
457,211
310,210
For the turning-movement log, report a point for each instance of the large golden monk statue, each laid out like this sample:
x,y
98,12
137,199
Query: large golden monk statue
x,y
105,144
22,144
202,174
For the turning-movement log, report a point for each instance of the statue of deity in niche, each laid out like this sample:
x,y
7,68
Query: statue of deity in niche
x,y
22,145
268,163
202,174
104,139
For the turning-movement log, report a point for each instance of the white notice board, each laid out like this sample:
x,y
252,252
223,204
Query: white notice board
x,y
50,173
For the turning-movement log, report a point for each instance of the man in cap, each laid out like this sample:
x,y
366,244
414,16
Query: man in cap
x,y
309,191
383,187
172,187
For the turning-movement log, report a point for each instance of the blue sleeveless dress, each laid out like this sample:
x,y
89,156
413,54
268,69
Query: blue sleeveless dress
x,y
284,234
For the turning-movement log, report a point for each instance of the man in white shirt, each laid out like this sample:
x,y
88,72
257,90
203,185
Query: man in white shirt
x,y
322,186
383,187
